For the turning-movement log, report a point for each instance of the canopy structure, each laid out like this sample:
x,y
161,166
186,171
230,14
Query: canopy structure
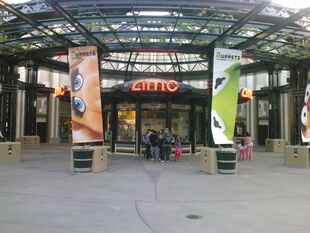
x,y
169,38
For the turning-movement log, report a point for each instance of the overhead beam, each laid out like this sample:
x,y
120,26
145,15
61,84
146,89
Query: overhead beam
x,y
77,25
240,23
136,22
271,30
174,27
194,75
37,25
109,26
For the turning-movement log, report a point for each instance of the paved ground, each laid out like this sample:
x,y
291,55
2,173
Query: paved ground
x,y
40,195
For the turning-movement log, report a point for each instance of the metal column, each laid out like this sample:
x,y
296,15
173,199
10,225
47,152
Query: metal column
x,y
138,127
274,105
8,100
298,83
210,141
31,100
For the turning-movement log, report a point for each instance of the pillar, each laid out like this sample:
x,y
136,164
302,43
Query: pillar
x,y
193,128
138,127
274,105
210,141
53,119
31,100
8,99
298,82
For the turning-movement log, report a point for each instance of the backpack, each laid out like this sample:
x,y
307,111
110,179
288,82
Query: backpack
x,y
167,138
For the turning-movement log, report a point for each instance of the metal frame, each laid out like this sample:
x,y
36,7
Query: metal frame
x,y
116,26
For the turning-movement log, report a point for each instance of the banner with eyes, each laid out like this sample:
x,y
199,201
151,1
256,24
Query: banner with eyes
x,y
226,74
305,114
86,111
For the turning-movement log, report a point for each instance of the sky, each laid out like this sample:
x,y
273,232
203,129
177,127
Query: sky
x,y
287,3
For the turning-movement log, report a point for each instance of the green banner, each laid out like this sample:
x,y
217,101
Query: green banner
x,y
226,74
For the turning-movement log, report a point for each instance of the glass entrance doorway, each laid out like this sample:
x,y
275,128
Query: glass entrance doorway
x,y
154,120
153,116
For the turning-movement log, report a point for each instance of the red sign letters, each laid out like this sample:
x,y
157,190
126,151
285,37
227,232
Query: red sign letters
x,y
155,85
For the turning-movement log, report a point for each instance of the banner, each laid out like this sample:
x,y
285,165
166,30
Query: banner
x,y
226,74
86,109
305,114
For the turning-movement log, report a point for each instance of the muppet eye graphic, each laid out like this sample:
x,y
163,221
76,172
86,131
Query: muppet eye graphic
x,y
78,81
217,122
78,106
220,81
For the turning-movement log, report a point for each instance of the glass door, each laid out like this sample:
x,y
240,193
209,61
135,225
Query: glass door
x,y
126,126
153,119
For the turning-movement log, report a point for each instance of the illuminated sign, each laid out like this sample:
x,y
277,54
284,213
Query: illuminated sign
x,y
154,85
246,93
60,91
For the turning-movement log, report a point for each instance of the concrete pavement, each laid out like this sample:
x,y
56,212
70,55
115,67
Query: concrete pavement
x,y
40,195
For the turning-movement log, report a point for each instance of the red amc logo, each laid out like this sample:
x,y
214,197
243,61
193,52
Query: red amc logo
x,y
60,91
247,93
154,85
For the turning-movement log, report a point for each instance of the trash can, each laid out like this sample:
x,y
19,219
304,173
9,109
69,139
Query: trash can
x,y
226,161
82,160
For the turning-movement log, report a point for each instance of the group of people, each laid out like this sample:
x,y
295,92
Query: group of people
x,y
244,142
245,147
158,145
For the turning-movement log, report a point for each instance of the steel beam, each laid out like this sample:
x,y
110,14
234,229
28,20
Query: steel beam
x,y
37,25
77,25
239,24
271,30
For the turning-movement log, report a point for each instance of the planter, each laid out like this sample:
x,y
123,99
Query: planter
x,y
82,160
226,161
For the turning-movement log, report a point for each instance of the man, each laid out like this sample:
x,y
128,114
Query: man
x,y
167,145
154,149
146,141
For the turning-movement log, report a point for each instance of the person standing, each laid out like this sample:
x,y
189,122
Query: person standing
x,y
167,145
160,143
178,149
154,148
146,141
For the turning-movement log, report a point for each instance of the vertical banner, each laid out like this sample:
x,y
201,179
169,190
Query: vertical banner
x,y
305,114
86,109
226,74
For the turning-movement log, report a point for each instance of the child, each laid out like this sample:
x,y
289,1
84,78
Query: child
x,y
249,147
178,149
241,149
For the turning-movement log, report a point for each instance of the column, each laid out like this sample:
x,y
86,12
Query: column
x,y
138,127
31,100
298,82
210,141
193,126
274,105
53,119
8,100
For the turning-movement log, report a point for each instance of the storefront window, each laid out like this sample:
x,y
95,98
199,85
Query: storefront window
x,y
126,126
180,124
64,121
41,105
65,129
154,120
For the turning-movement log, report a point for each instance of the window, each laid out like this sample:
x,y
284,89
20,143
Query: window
x,y
180,124
126,126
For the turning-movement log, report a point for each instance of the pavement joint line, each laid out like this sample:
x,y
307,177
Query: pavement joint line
x,y
142,218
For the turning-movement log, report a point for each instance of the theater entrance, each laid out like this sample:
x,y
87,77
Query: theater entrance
x,y
153,116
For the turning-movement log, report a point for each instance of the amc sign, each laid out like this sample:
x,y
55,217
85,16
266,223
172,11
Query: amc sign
x,y
60,91
154,85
